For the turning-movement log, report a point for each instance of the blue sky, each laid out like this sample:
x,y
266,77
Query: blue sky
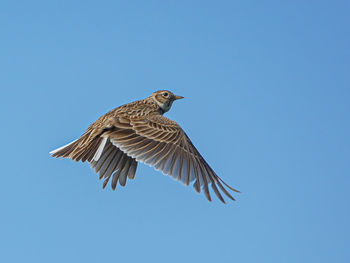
x,y
266,87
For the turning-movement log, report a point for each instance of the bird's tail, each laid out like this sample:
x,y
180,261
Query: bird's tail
x,y
83,148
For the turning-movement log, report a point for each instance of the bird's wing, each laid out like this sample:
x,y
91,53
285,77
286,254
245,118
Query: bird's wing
x,y
162,144
105,158
109,161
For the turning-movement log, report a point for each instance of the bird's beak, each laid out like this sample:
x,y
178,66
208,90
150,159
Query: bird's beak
x,y
178,97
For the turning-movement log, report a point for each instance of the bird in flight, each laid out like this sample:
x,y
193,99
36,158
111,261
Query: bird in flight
x,y
138,132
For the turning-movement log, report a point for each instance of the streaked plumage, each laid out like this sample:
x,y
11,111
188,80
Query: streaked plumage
x,y
138,132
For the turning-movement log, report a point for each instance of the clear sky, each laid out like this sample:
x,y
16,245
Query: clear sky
x,y
267,90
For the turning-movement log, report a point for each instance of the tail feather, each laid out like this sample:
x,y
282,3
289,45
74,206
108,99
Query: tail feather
x,y
64,150
93,149
84,148
100,149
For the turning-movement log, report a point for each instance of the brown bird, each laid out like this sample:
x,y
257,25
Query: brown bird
x,y
138,132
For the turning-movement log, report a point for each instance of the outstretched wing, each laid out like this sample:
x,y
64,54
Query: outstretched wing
x,y
162,144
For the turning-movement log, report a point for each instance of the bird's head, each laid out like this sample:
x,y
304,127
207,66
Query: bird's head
x,y
164,99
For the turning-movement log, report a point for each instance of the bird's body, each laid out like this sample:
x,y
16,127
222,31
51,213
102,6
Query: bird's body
x,y
138,132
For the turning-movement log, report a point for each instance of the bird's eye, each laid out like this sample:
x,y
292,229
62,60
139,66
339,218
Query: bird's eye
x,y
165,94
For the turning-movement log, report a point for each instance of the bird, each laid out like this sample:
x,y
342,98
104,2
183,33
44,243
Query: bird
x,y
136,132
